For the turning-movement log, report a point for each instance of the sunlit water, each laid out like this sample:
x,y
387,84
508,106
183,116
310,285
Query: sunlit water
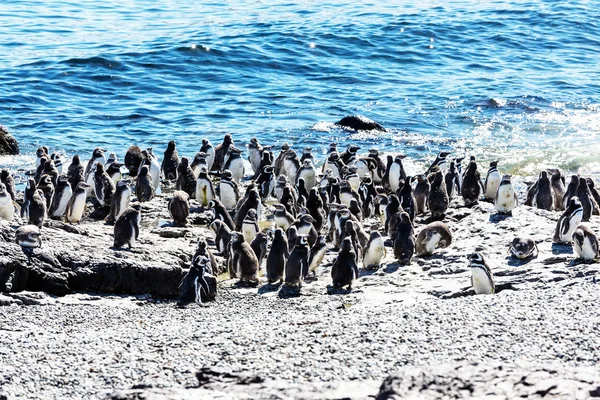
x,y
518,81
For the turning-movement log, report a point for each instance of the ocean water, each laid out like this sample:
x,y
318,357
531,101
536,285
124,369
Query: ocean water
x,y
517,81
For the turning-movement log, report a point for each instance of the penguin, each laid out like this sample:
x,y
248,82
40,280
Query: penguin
x,y
317,253
221,212
396,174
308,173
302,193
568,221
208,149
179,207
204,189
30,189
407,199
421,193
266,182
433,236
438,200
186,178
280,184
112,158
278,164
558,189
492,181
571,190
235,164
391,208
585,243
170,162
380,168
97,158
75,172
587,200
221,151
296,267
229,194
47,188
523,248
76,205
259,245
439,162
244,264
367,195
277,257
365,166
404,241
283,219
254,154
334,164
374,251
198,163
471,185
250,226
350,230
593,190
7,208
9,183
198,285
29,238
39,172
349,156
344,269
452,180
542,196
347,193
127,227
352,177
104,187
380,208
62,195
266,161
307,155
51,170
252,202
222,236
144,190
506,199
385,182
304,226
114,171
356,209
37,209
482,278
292,235
154,167
120,201
40,153
202,250
291,164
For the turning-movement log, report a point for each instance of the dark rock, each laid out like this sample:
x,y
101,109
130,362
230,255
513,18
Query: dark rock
x,y
360,123
8,144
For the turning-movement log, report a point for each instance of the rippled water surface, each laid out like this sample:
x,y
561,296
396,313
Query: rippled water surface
x,y
516,80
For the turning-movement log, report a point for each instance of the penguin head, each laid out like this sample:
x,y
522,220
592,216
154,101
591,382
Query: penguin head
x,y
333,157
200,156
574,203
253,143
227,140
76,160
216,225
120,183
353,149
251,215
307,150
279,234
282,180
583,182
184,163
41,151
332,147
4,174
373,153
82,185
475,258
226,175
346,245
2,189
98,152
443,154
307,163
544,175
143,171
285,147
99,169
268,169
205,142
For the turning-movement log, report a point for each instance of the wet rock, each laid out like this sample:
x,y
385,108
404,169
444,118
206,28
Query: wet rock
x,y
8,144
359,123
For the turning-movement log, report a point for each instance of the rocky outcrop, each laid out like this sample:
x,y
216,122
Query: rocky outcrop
x,y
8,144
360,123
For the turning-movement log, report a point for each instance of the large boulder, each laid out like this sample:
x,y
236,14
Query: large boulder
x,y
8,144
360,123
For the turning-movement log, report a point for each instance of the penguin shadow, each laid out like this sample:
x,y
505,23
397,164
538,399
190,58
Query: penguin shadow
x,y
244,284
392,267
333,290
579,261
517,262
366,272
561,248
499,217
270,287
288,292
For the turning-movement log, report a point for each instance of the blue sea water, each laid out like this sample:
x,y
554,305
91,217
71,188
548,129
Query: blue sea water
x,y
513,80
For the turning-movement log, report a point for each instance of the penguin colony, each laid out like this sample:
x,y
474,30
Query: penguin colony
x,y
312,209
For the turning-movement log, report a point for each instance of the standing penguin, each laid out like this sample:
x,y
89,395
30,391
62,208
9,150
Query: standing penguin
x,y
374,251
47,188
127,227
283,219
266,182
253,201
585,243
492,181
51,170
235,164
568,221
296,267
198,163
558,189
198,285
422,194
407,199
186,178
308,173
204,189
76,205
9,182
571,190
222,236
7,209
334,164
170,162
439,162
250,226
482,278
404,242
221,212
344,269
37,209
317,253
97,158
208,149
277,257
244,263
291,164
179,207
396,174
438,200
259,245
471,185
30,189
587,200
144,190
62,195
75,172
228,190
119,202
254,154
114,171
349,156
452,180
104,187
221,151
432,236
542,195
29,238
506,198
154,167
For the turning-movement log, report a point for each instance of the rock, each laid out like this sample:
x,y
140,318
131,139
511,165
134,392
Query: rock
x,y
8,144
360,123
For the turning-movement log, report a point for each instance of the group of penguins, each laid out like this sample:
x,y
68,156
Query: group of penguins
x,y
313,207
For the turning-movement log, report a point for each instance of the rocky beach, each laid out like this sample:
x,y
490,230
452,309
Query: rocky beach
x,y
89,321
